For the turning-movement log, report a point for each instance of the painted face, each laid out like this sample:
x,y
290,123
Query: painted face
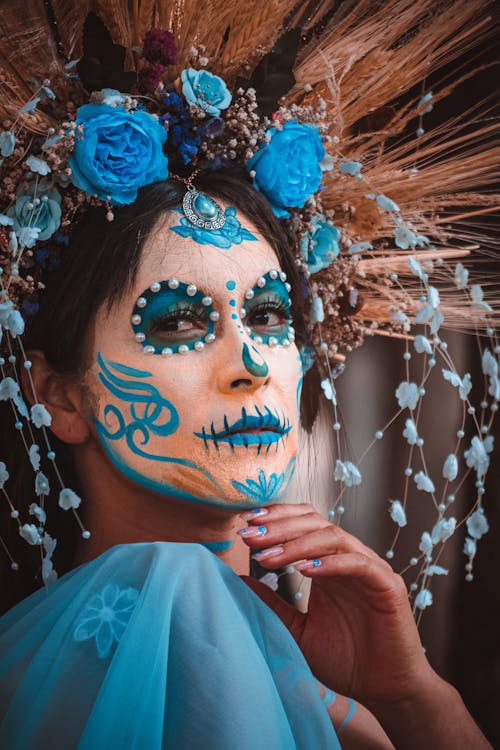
x,y
196,373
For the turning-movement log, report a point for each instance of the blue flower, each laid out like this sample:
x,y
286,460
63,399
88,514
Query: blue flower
x,y
42,219
118,153
106,617
287,168
443,529
320,245
7,143
204,90
450,467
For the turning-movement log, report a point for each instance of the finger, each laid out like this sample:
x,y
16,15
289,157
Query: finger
x,y
291,617
374,575
326,540
277,510
283,530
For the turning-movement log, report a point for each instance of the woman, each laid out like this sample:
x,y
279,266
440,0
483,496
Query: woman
x,y
157,641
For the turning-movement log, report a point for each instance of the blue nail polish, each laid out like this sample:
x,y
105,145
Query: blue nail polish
x,y
315,563
262,530
243,531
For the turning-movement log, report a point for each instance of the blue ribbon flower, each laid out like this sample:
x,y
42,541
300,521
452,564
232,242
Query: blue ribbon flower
x,y
204,90
287,167
119,153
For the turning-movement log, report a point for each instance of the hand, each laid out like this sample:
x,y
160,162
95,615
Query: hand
x,y
358,636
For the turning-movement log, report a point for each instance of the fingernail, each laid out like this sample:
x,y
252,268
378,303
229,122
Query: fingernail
x,y
304,564
253,531
269,552
250,514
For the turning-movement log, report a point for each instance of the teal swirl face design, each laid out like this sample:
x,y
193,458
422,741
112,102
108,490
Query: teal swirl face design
x,y
232,233
204,337
267,310
173,317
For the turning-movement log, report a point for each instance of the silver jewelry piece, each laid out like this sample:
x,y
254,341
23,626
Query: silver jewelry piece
x,y
202,211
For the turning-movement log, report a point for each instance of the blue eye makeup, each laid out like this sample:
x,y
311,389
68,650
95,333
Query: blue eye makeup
x,y
267,310
173,317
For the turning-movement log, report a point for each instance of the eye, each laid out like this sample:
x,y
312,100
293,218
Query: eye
x,y
183,324
266,316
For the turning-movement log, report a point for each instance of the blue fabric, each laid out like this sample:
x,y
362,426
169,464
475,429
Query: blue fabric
x,y
154,646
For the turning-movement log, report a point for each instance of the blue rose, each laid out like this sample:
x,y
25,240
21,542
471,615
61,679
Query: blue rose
x,y
205,90
287,168
38,207
118,153
320,246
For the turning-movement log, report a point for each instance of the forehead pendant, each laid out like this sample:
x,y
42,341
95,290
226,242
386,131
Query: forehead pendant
x,y
201,210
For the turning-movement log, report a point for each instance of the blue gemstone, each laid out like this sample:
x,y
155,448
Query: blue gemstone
x,y
205,207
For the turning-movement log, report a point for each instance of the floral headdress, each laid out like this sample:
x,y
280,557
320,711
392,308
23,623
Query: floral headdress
x,y
306,103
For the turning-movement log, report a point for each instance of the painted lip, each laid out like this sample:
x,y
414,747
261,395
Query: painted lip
x,y
262,430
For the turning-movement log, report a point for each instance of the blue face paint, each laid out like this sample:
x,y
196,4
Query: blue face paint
x,y
230,285
267,310
272,428
231,233
255,368
172,317
218,546
146,415
266,490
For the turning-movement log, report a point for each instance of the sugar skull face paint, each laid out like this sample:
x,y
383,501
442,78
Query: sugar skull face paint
x,y
219,424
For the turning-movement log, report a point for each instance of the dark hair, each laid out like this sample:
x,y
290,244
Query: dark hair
x,y
96,269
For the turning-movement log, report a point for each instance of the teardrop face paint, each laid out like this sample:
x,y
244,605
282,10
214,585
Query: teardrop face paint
x,y
196,374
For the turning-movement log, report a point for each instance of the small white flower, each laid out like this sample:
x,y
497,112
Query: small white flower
x,y
42,486
476,457
39,166
470,547
450,468
407,395
4,474
477,524
423,599
40,416
69,499
29,532
424,482
271,580
329,390
461,276
348,473
426,543
410,432
34,454
443,529
39,513
397,513
422,344
435,570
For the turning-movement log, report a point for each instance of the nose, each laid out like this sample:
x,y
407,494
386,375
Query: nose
x,y
242,368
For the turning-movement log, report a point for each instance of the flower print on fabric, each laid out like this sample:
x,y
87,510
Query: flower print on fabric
x,y
118,152
204,90
106,617
287,167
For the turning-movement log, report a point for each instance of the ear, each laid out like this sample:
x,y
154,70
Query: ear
x,y
63,399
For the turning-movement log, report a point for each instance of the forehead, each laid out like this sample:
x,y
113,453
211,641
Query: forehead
x,y
166,255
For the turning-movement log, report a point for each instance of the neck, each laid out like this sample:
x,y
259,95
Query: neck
x,y
116,511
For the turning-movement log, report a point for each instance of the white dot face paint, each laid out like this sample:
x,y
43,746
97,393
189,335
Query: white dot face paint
x,y
192,404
